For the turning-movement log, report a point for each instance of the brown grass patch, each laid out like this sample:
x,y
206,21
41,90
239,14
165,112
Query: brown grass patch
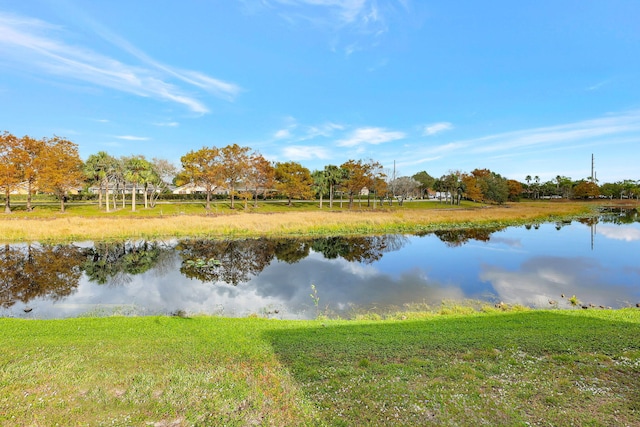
x,y
241,224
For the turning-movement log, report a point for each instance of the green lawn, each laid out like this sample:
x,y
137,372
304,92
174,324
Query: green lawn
x,y
579,367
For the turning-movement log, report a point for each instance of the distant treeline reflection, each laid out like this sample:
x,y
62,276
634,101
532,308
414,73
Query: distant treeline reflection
x,y
30,271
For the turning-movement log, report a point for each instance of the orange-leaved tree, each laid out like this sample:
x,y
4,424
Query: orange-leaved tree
x,y
60,168
204,168
294,181
11,174
235,167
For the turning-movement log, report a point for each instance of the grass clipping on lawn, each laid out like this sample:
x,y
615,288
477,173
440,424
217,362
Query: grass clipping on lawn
x,y
67,227
561,368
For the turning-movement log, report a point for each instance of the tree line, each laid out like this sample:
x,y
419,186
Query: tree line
x,y
53,166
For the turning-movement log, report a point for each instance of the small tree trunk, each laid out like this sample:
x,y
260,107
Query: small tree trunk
x,y
330,196
7,202
133,198
320,200
29,209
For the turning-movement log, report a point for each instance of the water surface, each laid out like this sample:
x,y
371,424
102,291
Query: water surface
x,y
595,260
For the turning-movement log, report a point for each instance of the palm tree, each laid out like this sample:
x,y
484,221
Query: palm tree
x,y
320,183
334,176
135,169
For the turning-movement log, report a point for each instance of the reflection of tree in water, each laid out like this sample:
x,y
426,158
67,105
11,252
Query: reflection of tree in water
x,y
620,216
238,260
116,262
458,237
291,250
358,249
32,271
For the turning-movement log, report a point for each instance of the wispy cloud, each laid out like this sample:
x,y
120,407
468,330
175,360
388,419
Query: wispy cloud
x,y
39,46
370,135
299,152
167,124
351,22
583,132
133,138
298,132
435,128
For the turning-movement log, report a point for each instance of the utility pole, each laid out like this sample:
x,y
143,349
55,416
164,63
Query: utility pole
x,y
593,173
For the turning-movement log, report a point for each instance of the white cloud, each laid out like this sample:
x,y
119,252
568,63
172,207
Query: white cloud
x,y
167,124
370,135
133,138
354,25
299,152
552,136
282,134
37,45
435,128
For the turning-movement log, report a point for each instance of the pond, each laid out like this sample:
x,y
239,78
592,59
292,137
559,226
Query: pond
x,y
538,265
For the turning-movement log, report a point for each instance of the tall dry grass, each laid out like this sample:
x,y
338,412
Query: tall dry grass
x,y
76,228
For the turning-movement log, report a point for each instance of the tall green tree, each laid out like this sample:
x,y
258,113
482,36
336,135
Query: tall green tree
x,y
137,169
335,176
99,169
426,182
320,184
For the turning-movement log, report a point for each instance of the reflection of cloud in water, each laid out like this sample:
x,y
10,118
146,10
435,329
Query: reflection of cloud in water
x,y
341,285
541,279
628,234
281,286
510,242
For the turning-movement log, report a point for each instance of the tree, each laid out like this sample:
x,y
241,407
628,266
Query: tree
x,y
10,172
335,176
405,187
473,189
99,168
204,167
426,182
235,166
60,168
320,183
293,180
29,149
136,171
515,190
356,178
586,190
260,176
163,172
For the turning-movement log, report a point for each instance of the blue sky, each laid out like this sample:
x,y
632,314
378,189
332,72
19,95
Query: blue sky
x,y
521,88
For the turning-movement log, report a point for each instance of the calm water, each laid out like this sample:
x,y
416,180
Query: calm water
x,y
596,260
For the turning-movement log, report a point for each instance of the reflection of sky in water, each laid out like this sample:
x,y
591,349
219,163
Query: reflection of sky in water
x,y
517,265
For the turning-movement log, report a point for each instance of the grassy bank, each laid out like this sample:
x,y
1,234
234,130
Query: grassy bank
x,y
516,368
86,222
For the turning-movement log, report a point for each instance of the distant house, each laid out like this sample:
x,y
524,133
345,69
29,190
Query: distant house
x,y
192,188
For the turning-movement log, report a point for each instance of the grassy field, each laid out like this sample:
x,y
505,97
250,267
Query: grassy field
x,y
87,222
560,368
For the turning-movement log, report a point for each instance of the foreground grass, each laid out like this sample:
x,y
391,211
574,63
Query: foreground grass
x,y
516,368
86,222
